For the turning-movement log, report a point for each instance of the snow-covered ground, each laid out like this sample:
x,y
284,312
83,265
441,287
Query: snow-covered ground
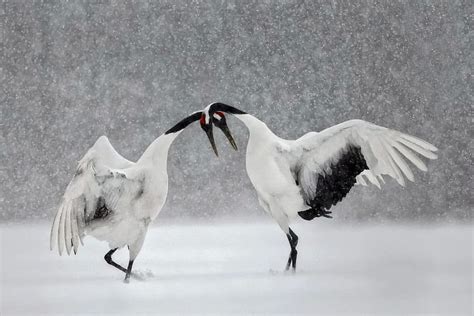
x,y
237,268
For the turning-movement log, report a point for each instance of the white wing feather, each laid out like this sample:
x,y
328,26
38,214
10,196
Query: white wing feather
x,y
97,175
384,150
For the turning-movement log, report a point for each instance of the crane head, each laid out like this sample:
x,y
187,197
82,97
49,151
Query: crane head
x,y
207,118
217,118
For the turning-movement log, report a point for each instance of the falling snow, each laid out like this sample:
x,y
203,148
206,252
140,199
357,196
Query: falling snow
x,y
72,71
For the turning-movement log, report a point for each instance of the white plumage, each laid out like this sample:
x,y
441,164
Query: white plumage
x,y
307,176
384,150
114,199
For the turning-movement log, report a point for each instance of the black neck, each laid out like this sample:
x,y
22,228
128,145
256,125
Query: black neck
x,y
216,107
184,123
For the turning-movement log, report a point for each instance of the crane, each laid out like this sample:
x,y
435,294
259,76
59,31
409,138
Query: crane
x,y
307,176
114,199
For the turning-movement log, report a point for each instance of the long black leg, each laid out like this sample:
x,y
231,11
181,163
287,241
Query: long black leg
x,y
293,240
128,272
288,263
108,259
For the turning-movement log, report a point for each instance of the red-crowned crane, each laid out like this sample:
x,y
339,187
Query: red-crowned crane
x,y
114,199
309,175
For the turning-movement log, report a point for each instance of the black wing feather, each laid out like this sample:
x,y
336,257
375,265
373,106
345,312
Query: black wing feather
x,y
334,186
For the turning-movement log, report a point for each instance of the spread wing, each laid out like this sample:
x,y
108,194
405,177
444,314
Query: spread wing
x,y
100,179
338,157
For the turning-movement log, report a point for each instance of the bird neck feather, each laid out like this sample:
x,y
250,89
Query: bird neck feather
x,y
157,152
257,129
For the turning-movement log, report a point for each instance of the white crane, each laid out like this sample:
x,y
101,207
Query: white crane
x,y
307,176
114,199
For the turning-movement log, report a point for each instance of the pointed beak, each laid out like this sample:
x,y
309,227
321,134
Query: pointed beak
x,y
227,134
210,135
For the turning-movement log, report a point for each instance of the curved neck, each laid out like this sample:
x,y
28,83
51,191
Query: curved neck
x,y
257,128
157,152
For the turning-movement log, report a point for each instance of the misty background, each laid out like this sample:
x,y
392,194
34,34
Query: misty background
x,y
73,71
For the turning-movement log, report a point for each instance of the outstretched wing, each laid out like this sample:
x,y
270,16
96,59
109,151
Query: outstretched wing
x,y
338,157
105,153
99,180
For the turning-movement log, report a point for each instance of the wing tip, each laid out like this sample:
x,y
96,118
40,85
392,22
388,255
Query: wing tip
x,y
420,142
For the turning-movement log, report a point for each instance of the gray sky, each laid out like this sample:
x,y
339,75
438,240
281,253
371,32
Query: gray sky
x,y
74,71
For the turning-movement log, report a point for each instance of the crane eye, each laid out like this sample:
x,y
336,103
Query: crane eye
x,y
218,116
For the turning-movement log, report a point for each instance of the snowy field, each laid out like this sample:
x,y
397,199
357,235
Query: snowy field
x,y
238,268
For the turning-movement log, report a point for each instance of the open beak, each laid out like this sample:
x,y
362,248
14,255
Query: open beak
x,y
227,134
210,135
